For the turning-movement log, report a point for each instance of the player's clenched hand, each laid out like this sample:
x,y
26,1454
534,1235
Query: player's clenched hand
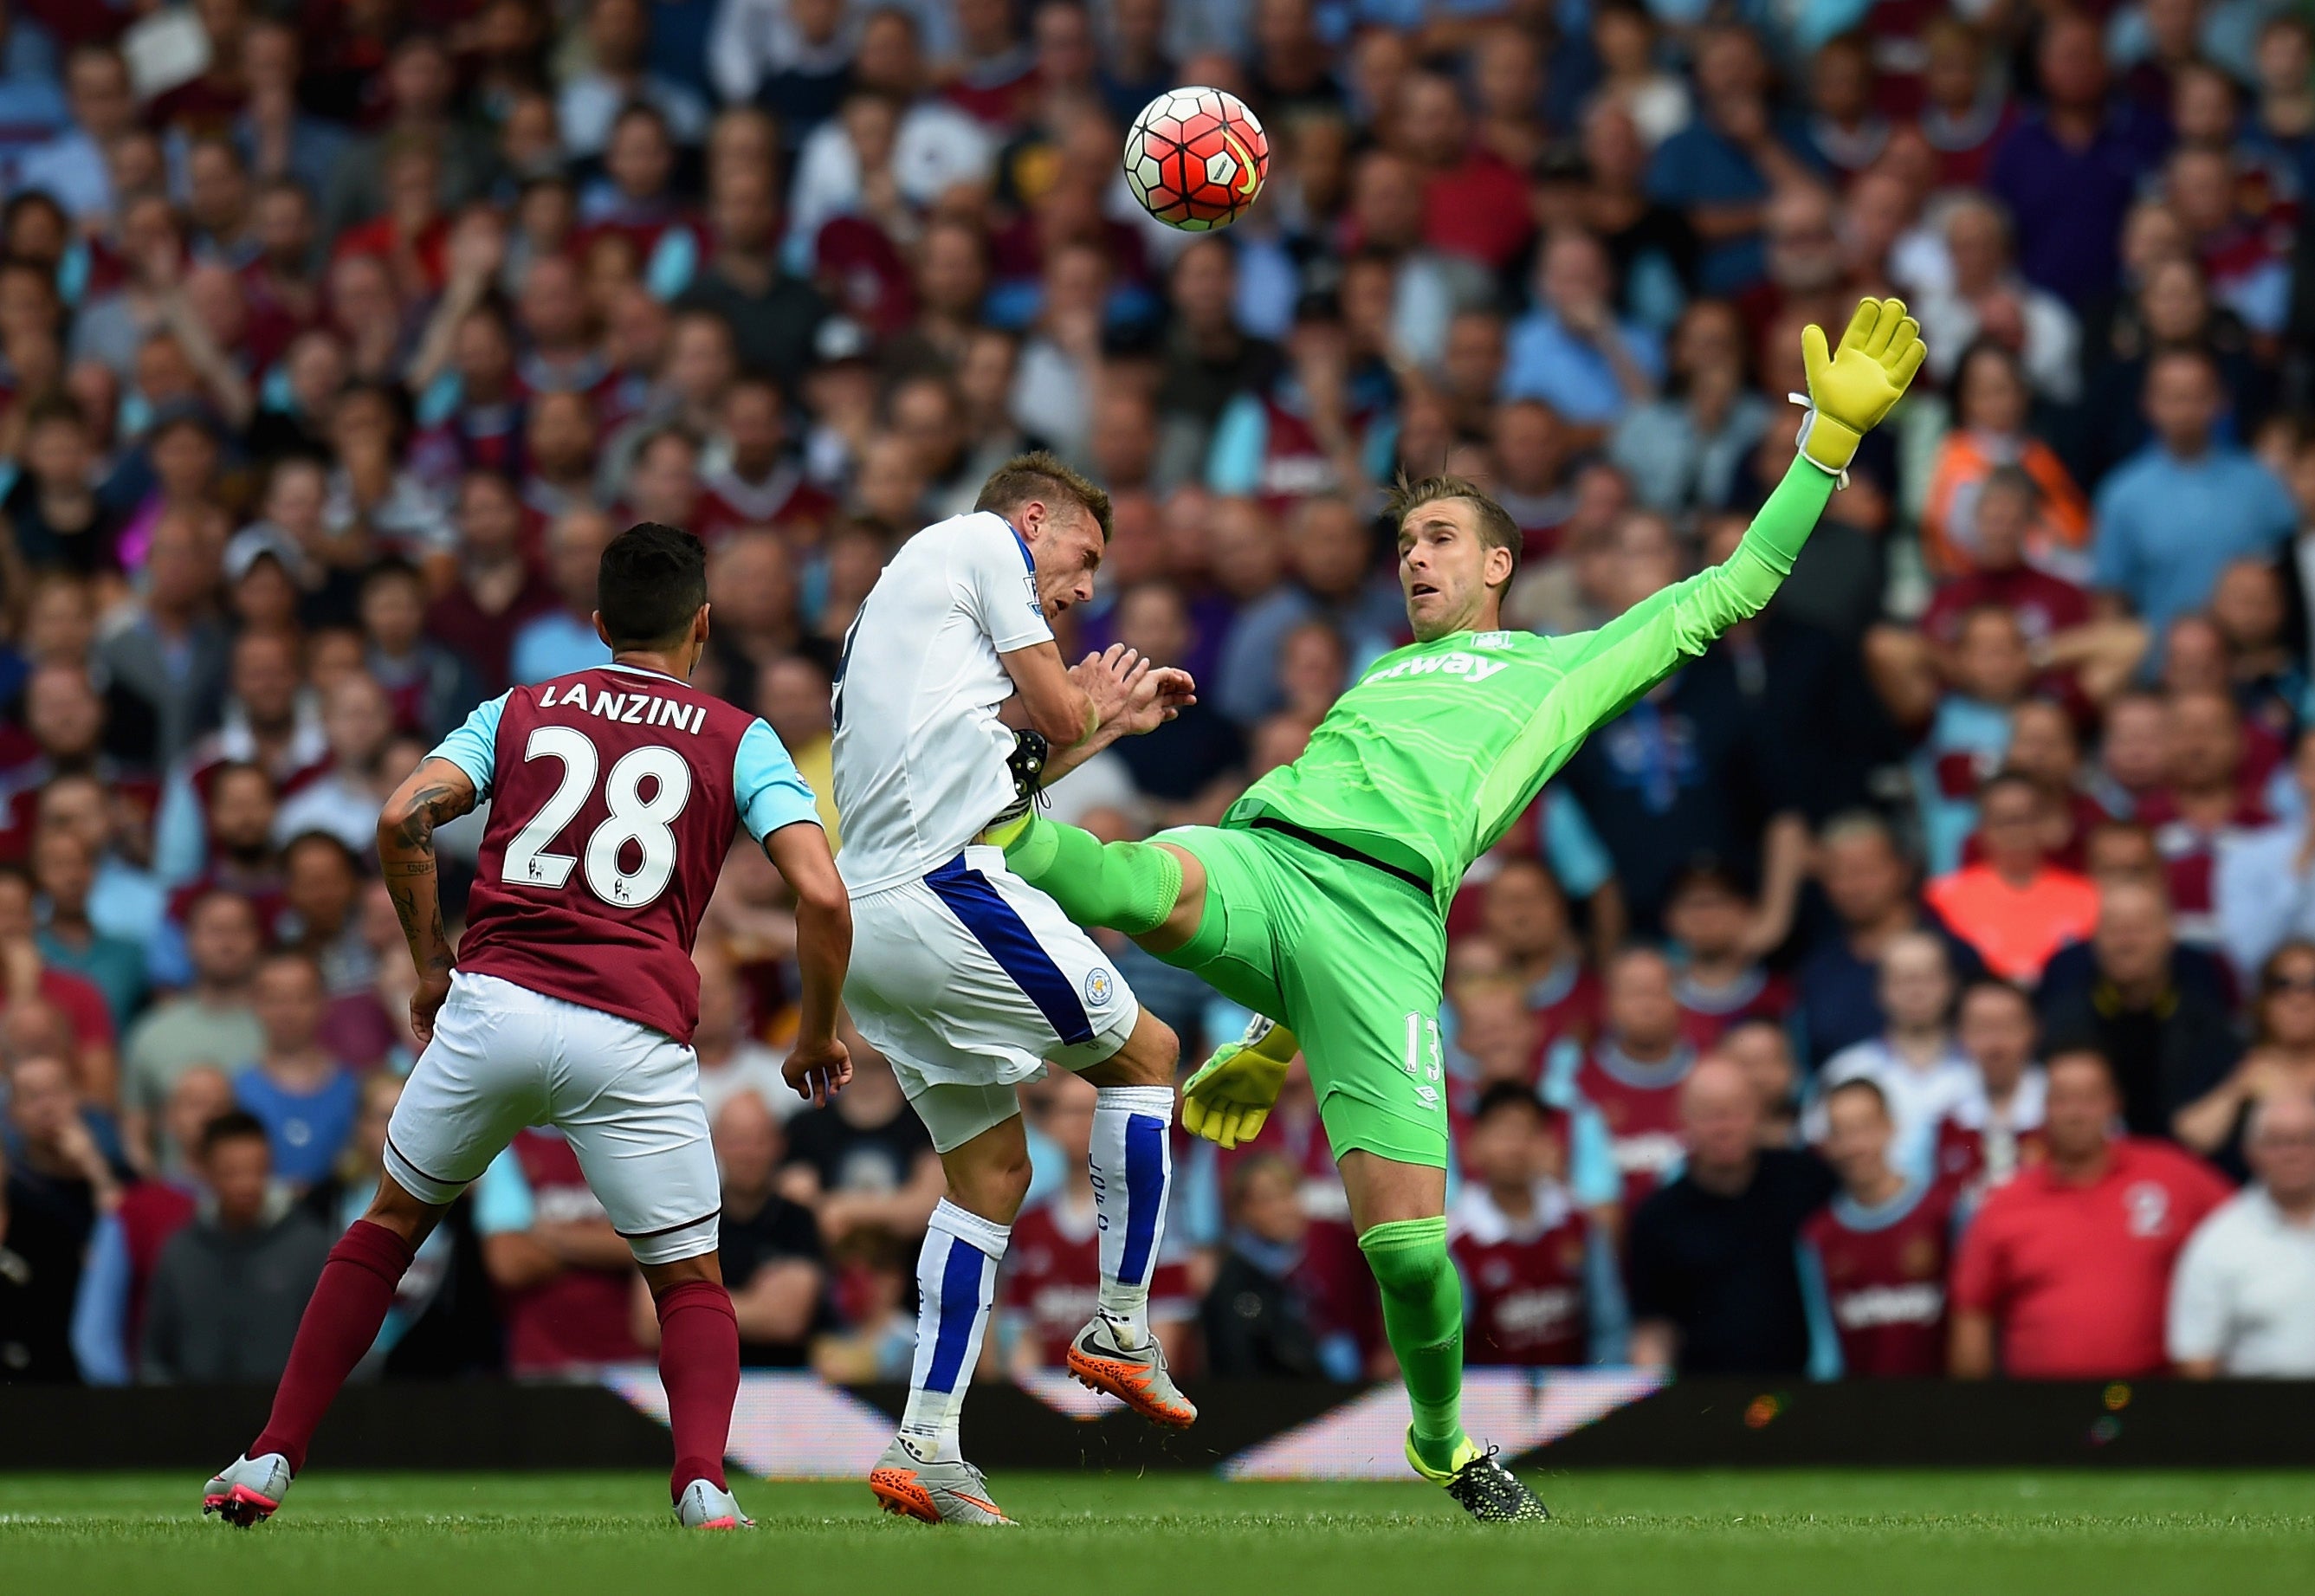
x,y
1230,1098
426,1002
817,1071
1851,388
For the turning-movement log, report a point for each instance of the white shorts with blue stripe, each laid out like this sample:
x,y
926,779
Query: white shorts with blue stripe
x,y
968,980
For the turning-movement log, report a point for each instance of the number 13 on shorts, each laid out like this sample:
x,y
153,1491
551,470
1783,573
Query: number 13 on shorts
x,y
1426,1058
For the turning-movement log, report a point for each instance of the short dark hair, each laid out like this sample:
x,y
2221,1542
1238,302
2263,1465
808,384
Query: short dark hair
x,y
1862,1084
1496,527
1507,1094
1043,475
2079,1048
652,580
235,1124
329,842
1994,986
391,568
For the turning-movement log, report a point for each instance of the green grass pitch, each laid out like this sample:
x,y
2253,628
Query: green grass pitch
x,y
1711,1534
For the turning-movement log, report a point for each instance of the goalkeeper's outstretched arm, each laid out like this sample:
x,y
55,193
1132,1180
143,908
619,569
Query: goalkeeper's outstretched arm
x,y
1848,393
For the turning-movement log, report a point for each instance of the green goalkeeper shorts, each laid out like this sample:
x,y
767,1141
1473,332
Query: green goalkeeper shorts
x,y
1348,957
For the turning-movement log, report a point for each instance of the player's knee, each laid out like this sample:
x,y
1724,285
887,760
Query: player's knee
x,y
398,1210
992,1179
994,1191
662,1277
1150,1056
1403,1270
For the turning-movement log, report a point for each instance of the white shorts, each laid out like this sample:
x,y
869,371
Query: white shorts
x,y
624,1096
968,980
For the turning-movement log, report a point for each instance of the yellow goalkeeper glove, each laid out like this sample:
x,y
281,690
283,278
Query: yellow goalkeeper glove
x,y
1850,389
1230,1098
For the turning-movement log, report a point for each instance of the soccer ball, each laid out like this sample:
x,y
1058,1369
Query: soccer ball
x,y
1195,158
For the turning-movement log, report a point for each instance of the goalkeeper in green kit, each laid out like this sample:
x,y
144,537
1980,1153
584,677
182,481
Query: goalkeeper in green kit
x,y
1320,901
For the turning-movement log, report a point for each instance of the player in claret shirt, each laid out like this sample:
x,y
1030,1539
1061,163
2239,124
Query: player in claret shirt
x,y
616,792
1321,899
1873,1260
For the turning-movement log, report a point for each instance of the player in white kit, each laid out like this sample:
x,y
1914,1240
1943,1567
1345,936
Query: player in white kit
x,y
951,703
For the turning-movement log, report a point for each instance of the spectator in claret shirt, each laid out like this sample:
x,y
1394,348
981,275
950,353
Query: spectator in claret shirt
x,y
1474,201
1873,1258
1997,1130
1539,1274
1524,913
498,586
1632,1074
2065,1272
2207,804
1711,916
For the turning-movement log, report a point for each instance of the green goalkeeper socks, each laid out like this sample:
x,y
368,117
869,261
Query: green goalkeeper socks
x,y
1126,886
1423,1314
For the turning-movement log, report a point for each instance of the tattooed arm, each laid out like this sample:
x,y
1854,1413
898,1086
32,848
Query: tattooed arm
x,y
436,792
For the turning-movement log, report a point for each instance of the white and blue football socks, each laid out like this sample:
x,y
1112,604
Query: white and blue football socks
x,y
1132,1160
956,1282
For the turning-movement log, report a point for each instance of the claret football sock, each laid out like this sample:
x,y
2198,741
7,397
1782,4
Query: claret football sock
x,y
1423,1315
1126,886
699,1369
956,1281
340,1322
1132,1165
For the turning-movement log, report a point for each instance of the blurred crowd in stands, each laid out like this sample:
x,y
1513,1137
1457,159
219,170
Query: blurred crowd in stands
x,y
1922,981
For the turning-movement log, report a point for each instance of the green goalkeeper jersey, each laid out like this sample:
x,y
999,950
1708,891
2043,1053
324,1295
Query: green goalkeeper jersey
x,y
1426,760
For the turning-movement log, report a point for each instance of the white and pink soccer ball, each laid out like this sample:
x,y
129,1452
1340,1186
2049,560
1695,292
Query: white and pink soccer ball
x,y
1196,158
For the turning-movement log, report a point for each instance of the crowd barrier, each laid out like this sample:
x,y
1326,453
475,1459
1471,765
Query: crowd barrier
x,y
794,1426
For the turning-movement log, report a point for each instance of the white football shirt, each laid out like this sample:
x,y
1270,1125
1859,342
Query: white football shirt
x,y
919,754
